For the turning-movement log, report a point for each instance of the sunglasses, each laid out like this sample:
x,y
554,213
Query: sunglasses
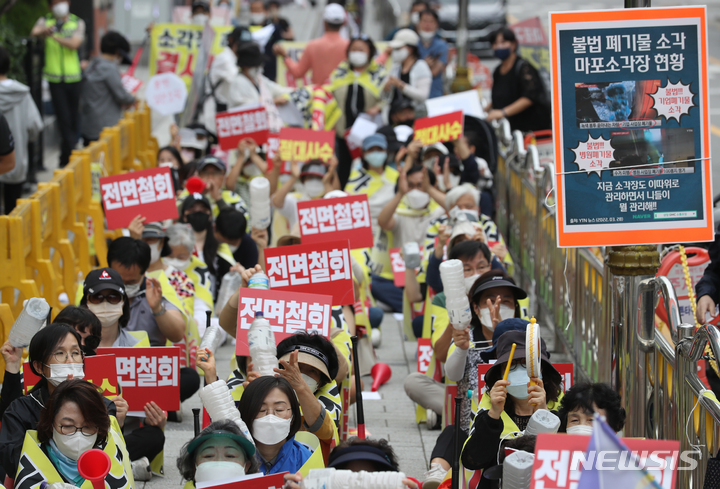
x,y
112,298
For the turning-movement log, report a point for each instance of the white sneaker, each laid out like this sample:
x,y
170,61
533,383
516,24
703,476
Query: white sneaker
x,y
434,476
376,337
141,469
432,419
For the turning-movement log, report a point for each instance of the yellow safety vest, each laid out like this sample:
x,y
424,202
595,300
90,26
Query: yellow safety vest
x,y
62,64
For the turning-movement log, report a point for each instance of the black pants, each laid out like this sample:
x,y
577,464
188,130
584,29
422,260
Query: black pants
x,y
189,383
445,444
146,441
342,152
66,102
11,193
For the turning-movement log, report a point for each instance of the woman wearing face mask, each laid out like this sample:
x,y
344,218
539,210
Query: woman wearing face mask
x,y
582,401
356,85
410,77
251,87
271,411
220,451
507,405
73,421
55,356
519,94
170,157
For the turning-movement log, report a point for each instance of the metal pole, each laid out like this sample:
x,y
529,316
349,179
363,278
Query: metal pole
x,y
461,83
457,450
637,3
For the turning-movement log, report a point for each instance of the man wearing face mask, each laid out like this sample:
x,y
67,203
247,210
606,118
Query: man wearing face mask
x,y
103,96
200,12
211,171
64,33
416,203
433,49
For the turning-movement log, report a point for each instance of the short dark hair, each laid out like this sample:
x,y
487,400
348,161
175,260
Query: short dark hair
x,y
255,393
87,398
173,151
44,343
474,139
381,444
525,443
507,34
468,249
316,341
419,168
584,395
231,223
114,43
186,462
369,42
129,251
430,12
420,2
273,2
83,320
4,61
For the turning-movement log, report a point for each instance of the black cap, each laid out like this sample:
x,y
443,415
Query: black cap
x,y
153,230
249,54
201,3
512,324
211,160
191,200
504,346
239,34
102,279
341,456
400,103
490,281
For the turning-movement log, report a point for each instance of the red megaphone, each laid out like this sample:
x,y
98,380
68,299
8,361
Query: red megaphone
x,y
94,465
381,373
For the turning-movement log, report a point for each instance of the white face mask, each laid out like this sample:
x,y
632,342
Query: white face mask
x,y
429,163
233,248
314,188
486,319
400,55
427,36
580,429
254,73
107,313
469,281
376,159
251,170
271,430
414,18
257,18
132,290
61,9
358,58
59,373
155,252
218,469
176,263
312,383
200,19
73,446
187,155
518,382
417,199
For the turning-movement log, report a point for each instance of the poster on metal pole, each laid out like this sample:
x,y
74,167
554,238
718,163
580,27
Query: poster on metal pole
x,y
631,126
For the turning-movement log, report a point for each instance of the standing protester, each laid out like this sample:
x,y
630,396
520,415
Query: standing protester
x,y
417,7
433,49
410,77
24,122
103,96
64,33
200,12
322,55
259,18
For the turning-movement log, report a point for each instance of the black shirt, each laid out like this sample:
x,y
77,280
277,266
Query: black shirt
x,y
270,67
522,80
7,143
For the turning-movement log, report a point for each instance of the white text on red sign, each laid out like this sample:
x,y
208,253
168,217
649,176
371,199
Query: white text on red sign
x,y
147,371
334,217
287,316
242,123
309,268
137,191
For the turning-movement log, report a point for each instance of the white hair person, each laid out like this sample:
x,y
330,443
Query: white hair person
x,y
181,239
456,194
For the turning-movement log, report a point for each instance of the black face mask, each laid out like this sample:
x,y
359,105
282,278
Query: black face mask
x,y
198,220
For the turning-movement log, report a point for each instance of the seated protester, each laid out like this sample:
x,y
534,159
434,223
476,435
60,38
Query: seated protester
x,y
310,364
271,410
194,143
316,179
251,163
169,157
582,401
211,170
220,451
197,211
87,325
475,170
231,229
54,356
12,386
73,421
507,405
524,443
416,203
374,178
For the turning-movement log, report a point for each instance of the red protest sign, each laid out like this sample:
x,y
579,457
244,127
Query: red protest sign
x,y
338,218
320,268
565,370
440,128
130,83
237,124
560,459
302,145
149,193
254,481
287,312
148,374
398,267
424,354
99,370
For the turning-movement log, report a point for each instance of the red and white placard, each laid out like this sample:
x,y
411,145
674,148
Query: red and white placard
x,y
287,312
398,267
149,193
338,218
241,123
320,268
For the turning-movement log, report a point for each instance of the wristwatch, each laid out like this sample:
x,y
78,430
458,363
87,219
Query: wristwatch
x,y
161,311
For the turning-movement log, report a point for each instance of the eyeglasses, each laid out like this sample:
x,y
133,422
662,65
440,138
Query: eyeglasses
x,y
112,298
68,429
61,356
280,412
